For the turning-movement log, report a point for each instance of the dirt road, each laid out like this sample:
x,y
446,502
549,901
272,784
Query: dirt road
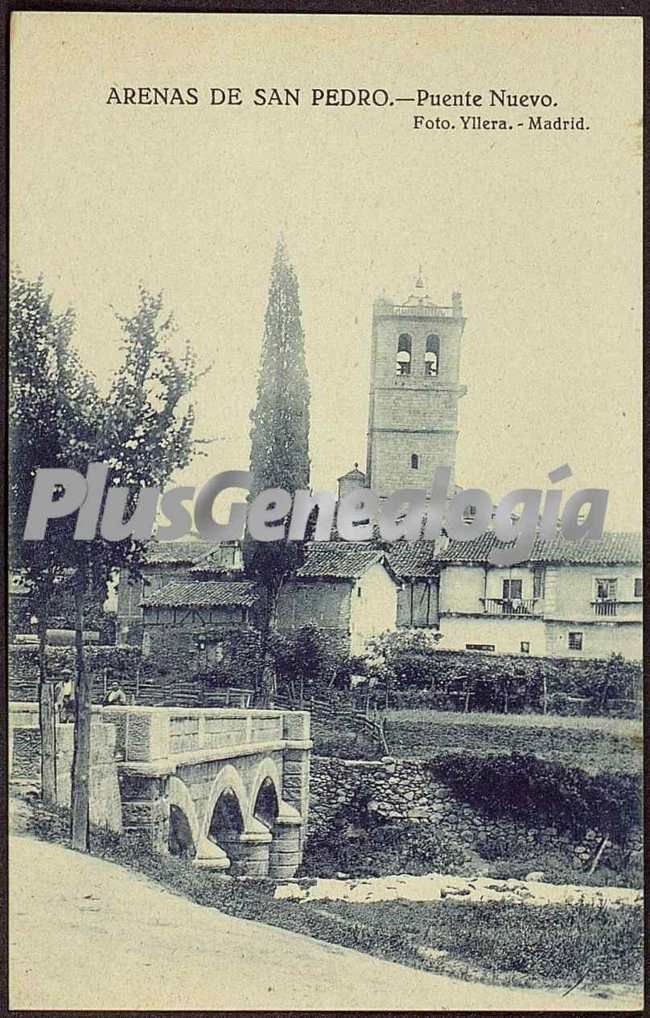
x,y
88,935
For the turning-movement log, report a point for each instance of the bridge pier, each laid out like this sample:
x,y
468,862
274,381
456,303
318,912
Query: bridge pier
x,y
210,857
249,855
145,807
285,854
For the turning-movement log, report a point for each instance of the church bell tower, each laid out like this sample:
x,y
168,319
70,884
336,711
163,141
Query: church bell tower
x,y
414,391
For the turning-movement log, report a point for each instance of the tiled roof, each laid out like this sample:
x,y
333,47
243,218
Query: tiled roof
x,y
611,549
413,558
342,560
354,474
213,564
204,593
179,552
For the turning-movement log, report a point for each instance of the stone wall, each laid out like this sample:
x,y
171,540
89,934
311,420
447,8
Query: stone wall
x,y
402,790
167,676
25,764
104,663
172,655
324,603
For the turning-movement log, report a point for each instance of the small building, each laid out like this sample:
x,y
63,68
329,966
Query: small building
x,y
203,628
568,599
354,479
416,566
167,561
348,589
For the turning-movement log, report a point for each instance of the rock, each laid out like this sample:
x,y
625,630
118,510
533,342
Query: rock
x,y
431,953
535,875
446,892
290,891
521,892
342,876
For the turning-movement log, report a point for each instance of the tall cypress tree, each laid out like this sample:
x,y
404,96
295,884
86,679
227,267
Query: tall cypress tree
x,y
280,431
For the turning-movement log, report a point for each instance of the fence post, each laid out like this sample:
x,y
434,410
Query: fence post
x,y
382,732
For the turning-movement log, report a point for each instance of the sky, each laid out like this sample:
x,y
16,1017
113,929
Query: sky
x,y
540,231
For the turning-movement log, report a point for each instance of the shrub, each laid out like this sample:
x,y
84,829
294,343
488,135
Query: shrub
x,y
304,660
380,850
561,868
418,675
521,786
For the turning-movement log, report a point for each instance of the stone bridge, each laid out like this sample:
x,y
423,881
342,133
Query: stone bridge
x,y
228,788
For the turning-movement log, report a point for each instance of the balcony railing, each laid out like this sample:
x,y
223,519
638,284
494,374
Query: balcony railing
x,y
509,606
605,607
422,311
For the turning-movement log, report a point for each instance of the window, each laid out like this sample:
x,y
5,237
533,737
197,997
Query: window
x,y
575,641
431,356
606,590
479,646
358,591
512,590
538,583
638,587
210,653
524,647
415,461
403,365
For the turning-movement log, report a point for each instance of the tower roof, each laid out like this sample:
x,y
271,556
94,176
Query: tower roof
x,y
420,297
353,475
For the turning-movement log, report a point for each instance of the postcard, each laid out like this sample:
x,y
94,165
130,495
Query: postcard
x,y
325,567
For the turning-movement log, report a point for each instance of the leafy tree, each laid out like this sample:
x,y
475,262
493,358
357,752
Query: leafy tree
x,y
142,431
144,435
403,658
303,660
51,401
280,430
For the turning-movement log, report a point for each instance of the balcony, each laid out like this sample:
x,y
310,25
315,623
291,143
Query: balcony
x,y
605,606
423,311
509,606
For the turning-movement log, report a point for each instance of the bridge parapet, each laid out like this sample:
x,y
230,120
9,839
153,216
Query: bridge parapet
x,y
169,736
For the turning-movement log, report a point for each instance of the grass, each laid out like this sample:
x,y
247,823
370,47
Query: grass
x,y
612,726
496,942
344,745
560,868
513,943
596,744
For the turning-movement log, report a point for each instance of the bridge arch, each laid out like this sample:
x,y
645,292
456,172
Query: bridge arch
x,y
183,819
267,770
228,779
